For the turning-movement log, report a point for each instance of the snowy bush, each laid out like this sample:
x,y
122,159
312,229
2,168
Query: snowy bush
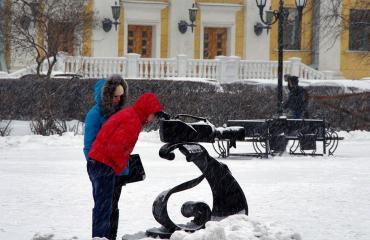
x,y
71,99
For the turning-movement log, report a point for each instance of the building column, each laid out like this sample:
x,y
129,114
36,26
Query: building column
x,y
256,47
180,43
104,44
327,46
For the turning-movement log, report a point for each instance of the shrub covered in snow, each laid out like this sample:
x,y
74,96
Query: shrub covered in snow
x,y
343,107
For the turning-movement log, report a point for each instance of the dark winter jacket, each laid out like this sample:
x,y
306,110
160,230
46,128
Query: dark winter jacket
x,y
118,136
297,101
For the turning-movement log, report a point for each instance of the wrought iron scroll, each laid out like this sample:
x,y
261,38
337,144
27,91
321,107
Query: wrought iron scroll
x,y
228,197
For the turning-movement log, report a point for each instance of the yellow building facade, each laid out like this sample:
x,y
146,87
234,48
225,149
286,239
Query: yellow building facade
x,y
354,64
306,34
223,27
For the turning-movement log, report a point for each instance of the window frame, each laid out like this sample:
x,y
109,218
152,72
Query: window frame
x,y
359,30
293,43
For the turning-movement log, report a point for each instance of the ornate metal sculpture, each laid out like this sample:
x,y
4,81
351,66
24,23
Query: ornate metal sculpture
x,y
228,197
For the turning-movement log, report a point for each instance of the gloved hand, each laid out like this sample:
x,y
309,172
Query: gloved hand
x,y
163,115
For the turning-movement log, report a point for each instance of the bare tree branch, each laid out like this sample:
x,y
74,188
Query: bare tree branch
x,y
41,31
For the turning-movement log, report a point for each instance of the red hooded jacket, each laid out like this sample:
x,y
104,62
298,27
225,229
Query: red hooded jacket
x,y
118,136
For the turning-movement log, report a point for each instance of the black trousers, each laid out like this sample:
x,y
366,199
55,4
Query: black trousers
x,y
106,192
115,211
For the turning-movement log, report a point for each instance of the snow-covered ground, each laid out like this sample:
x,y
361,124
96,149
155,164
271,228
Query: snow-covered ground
x,y
45,192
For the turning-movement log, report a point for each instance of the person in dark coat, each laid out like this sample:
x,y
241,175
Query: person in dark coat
x,y
110,97
110,152
297,99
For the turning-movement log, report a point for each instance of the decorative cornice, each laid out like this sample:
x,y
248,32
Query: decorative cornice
x,y
144,4
220,6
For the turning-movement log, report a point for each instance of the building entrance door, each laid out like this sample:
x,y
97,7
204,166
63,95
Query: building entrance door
x,y
140,40
215,42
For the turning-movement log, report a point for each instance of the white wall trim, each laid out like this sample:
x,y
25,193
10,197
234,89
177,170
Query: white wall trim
x,y
224,6
255,47
144,4
329,51
180,43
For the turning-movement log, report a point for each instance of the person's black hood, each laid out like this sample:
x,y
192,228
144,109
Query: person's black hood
x,y
292,82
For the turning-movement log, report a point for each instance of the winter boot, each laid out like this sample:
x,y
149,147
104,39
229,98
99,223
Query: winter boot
x,y
99,228
114,224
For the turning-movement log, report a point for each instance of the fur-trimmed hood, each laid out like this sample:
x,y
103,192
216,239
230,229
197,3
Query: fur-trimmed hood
x,y
107,94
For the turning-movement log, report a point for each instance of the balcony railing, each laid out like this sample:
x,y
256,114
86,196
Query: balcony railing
x,y
221,69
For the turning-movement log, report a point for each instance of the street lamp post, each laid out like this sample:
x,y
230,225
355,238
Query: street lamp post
x,y
279,16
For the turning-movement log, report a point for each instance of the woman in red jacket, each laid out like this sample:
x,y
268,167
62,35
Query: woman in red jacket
x,y
110,153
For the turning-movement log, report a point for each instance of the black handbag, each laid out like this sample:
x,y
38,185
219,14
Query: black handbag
x,y
136,170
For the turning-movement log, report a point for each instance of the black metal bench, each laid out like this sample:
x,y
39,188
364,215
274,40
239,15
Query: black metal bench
x,y
307,132
256,132
270,136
